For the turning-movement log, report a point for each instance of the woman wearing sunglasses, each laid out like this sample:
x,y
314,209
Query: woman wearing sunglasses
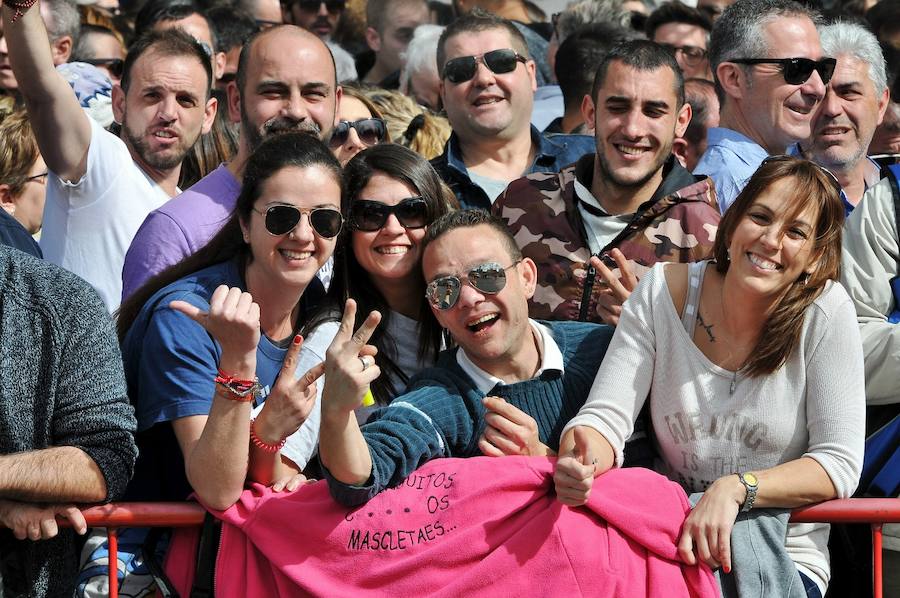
x,y
361,125
215,339
753,368
394,194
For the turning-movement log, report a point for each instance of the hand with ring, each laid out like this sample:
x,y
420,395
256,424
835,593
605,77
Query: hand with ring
x,y
349,363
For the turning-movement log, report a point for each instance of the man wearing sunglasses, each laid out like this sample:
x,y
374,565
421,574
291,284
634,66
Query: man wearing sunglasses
x,y
286,82
854,106
99,46
770,75
596,226
487,88
317,16
507,369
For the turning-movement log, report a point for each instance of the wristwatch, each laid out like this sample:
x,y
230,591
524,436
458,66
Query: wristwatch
x,y
751,483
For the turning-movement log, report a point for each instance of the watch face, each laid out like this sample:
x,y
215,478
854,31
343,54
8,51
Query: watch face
x,y
751,479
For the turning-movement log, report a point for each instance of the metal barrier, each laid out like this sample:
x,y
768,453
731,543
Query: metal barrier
x,y
874,511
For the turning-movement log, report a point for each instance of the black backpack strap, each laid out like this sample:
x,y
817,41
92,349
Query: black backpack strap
x,y
204,578
163,583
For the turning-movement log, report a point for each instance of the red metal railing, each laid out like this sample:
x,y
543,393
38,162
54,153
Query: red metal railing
x,y
874,511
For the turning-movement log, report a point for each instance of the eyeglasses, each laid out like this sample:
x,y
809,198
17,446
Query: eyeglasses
x,y
459,70
442,293
371,131
283,218
693,55
796,71
115,66
332,6
369,216
37,178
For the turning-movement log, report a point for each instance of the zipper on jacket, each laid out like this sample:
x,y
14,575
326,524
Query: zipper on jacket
x,y
586,292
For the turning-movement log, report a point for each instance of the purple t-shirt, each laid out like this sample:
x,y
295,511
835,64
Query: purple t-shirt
x,y
179,228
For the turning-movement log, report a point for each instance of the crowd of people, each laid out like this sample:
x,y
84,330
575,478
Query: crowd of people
x,y
271,243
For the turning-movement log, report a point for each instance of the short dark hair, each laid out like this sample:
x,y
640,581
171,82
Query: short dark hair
x,y
157,11
232,27
169,42
700,108
676,12
83,48
586,48
467,219
642,55
377,11
476,21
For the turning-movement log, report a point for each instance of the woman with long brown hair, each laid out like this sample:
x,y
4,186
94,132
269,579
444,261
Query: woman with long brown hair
x,y
752,365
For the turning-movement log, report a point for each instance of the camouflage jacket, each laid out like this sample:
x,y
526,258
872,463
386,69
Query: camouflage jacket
x,y
677,225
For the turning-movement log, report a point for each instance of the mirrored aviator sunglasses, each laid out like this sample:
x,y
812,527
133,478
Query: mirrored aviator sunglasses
x,y
442,293
796,71
281,219
462,69
368,216
371,131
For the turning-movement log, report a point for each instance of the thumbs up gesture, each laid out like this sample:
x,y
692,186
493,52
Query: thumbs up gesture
x,y
575,470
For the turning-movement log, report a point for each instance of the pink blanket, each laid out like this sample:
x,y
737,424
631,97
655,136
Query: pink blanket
x,y
480,526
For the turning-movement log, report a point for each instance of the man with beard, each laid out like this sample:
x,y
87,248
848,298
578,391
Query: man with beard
x,y
615,213
854,106
101,186
285,82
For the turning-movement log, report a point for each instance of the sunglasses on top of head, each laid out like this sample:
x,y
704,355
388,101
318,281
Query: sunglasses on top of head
x,y
280,219
499,62
443,292
368,216
371,131
796,71
333,6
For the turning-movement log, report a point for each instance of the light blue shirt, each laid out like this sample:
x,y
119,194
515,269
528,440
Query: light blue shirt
x,y
548,105
730,160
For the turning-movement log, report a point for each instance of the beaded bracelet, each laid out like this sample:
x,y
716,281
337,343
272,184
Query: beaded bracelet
x,y
240,390
269,448
20,7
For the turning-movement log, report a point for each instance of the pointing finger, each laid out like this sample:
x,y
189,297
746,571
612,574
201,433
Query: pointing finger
x,y
291,357
364,333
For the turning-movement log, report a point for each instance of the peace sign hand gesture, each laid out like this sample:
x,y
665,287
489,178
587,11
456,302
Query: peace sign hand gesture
x,y
349,363
292,399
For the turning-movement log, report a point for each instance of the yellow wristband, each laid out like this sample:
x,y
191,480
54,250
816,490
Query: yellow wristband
x,y
368,398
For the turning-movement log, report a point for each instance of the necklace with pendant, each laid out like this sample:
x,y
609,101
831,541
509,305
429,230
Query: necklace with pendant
x,y
734,375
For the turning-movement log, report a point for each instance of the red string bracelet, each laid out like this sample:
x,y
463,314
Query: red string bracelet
x,y
269,448
238,389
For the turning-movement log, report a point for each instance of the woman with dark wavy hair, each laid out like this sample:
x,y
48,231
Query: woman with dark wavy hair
x,y
215,340
753,368
393,195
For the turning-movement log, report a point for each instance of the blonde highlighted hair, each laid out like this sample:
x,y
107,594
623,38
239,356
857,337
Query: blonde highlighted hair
x,y
18,147
411,125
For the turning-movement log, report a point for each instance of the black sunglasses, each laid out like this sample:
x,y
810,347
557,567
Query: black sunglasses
x,y
283,218
115,66
443,292
832,178
367,215
459,70
371,131
796,71
333,6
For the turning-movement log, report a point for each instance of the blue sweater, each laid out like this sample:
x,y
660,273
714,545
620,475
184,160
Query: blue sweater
x,y
441,414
